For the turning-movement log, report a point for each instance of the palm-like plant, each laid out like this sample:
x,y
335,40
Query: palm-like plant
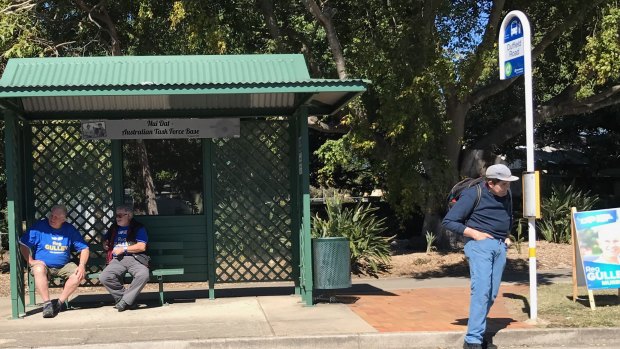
x,y
555,223
370,251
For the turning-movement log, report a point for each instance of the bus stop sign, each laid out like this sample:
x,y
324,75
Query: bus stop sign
x,y
511,54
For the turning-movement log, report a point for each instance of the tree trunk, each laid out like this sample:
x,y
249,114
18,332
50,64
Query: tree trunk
x,y
99,16
434,211
149,185
325,20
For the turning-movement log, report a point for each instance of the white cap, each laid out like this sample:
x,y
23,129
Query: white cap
x,y
501,172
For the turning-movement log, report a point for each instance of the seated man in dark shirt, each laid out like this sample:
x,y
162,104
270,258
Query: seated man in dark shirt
x,y
125,242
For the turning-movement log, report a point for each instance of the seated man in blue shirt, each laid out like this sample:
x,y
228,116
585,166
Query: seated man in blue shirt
x,y
125,242
47,248
485,222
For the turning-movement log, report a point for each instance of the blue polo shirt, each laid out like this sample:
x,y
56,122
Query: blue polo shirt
x,y
493,214
52,246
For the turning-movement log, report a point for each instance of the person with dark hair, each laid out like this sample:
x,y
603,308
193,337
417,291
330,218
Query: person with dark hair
x,y
485,223
46,246
125,243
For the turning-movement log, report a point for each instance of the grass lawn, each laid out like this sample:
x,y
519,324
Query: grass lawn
x,y
557,309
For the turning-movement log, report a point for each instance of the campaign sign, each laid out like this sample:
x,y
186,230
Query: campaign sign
x,y
514,63
598,238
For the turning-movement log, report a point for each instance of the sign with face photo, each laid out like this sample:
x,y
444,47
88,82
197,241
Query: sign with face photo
x,y
598,238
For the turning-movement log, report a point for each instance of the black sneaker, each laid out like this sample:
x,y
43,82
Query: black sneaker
x,y
472,345
48,309
122,306
58,306
488,345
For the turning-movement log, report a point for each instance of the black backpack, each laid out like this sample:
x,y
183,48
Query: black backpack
x,y
457,189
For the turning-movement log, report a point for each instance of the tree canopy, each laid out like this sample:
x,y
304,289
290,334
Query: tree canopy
x,y
436,108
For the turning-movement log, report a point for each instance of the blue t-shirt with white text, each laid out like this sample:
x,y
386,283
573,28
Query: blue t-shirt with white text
x,y
52,246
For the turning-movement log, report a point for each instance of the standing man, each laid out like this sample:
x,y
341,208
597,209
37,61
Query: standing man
x,y
125,242
46,246
486,227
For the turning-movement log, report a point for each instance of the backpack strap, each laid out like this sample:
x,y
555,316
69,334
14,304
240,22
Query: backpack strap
x,y
479,191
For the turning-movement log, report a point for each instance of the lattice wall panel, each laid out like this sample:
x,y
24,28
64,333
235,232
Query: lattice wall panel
x,y
75,172
252,204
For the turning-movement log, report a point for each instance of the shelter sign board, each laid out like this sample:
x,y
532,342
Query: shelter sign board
x,y
598,238
161,128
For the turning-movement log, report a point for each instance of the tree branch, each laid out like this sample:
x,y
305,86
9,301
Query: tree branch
x,y
568,23
18,6
325,19
490,35
266,7
558,107
98,14
316,124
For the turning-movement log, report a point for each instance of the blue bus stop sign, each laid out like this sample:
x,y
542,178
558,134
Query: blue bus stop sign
x,y
514,48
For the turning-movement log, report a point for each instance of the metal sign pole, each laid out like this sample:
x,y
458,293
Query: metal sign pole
x,y
515,58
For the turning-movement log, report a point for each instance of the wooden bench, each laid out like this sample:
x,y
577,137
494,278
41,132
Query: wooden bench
x,y
163,254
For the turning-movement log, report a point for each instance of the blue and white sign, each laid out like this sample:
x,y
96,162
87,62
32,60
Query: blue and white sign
x,y
514,64
598,238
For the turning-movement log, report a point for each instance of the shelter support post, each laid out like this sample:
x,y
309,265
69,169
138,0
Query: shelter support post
x,y
14,187
305,240
209,195
28,198
294,178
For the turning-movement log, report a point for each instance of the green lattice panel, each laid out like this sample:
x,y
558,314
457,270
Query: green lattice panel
x,y
252,204
75,172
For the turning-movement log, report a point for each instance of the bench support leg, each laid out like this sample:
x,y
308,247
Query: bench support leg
x,y
161,290
32,294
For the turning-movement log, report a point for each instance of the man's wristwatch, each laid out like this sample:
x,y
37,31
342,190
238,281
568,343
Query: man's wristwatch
x,y
125,250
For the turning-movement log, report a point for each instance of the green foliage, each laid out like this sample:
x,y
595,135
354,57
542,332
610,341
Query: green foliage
x,y
555,223
370,252
519,238
407,130
602,59
430,239
343,167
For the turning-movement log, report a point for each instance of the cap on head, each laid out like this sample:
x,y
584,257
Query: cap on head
x,y
501,172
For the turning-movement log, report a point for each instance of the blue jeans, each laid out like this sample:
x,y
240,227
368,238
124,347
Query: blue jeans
x,y
487,259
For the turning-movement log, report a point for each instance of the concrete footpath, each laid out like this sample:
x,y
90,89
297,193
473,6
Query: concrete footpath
x,y
386,313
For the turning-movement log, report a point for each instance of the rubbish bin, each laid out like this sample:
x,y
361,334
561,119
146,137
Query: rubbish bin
x,y
331,263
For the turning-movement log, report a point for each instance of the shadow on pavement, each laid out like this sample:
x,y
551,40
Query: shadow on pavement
x,y
348,295
494,325
526,303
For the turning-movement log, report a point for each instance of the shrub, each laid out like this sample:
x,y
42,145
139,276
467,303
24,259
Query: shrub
x,y
555,223
370,251
430,239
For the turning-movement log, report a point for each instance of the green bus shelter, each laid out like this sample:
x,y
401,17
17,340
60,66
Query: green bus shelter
x,y
254,221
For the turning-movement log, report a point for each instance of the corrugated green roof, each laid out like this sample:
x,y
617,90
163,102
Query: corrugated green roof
x,y
258,85
153,70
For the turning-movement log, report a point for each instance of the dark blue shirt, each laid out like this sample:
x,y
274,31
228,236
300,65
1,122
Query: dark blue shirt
x,y
493,214
120,240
